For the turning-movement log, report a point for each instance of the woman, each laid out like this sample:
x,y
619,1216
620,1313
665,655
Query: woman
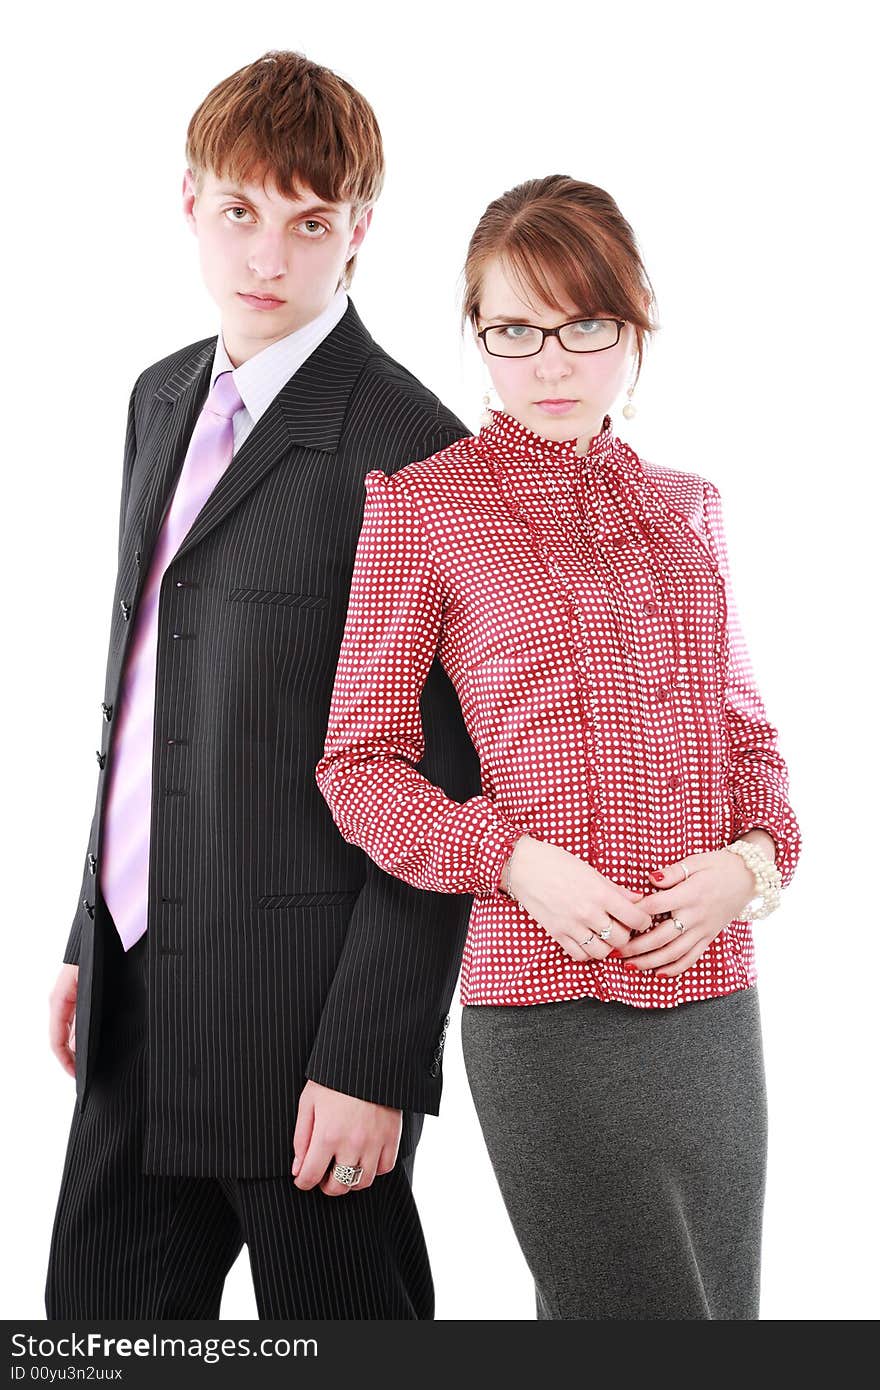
x,y
634,801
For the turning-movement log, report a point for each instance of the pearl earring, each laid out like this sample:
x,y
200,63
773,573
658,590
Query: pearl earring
x,y
486,417
629,409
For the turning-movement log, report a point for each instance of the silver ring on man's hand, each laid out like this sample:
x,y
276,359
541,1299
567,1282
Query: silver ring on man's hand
x,y
347,1174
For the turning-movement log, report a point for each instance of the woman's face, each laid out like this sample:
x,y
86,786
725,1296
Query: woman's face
x,y
588,383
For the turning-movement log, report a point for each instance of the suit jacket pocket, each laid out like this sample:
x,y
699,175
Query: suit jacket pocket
x,y
333,898
285,598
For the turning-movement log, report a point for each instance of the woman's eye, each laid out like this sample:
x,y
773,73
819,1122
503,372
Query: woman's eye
x,y
587,326
516,330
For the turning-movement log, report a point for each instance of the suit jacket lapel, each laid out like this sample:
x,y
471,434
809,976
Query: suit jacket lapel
x,y
308,411
184,394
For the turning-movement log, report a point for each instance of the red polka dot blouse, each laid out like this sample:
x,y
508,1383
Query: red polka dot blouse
x,y
581,606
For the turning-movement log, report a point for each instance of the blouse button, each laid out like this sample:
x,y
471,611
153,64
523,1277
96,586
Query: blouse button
x,y
663,692
673,781
651,605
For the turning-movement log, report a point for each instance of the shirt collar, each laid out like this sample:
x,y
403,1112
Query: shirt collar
x,y
511,437
261,378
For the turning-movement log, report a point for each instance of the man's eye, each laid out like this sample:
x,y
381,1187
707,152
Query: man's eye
x,y
236,209
312,222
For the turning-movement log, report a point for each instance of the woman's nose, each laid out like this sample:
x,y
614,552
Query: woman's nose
x,y
552,361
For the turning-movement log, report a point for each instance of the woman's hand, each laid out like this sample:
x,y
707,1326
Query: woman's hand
x,y
572,901
716,890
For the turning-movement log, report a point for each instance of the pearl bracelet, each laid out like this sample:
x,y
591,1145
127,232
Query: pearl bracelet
x,y
768,879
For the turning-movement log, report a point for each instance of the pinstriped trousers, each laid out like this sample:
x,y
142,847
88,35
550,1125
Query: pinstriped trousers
x,y
126,1244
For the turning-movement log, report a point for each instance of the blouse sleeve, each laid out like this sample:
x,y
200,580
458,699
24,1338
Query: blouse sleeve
x,y
375,739
758,773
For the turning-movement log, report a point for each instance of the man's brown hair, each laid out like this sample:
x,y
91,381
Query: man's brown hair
x,y
286,120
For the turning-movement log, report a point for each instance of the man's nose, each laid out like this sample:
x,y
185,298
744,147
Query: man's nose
x,y
268,256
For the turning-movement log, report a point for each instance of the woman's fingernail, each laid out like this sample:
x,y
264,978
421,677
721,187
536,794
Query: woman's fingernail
x,y
630,965
656,875
615,951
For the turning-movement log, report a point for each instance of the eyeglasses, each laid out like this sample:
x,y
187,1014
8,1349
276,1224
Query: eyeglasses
x,y
525,340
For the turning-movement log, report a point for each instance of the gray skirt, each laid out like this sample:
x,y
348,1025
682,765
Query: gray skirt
x,y
630,1148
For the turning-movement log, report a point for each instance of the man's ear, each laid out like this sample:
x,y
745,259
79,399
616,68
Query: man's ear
x,y
359,231
189,197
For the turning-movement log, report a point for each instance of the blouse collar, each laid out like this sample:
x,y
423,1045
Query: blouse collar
x,y
510,438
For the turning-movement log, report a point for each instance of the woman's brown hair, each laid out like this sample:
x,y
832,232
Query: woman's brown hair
x,y
563,238
287,119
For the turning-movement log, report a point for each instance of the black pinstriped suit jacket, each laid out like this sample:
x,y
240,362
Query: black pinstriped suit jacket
x,y
275,950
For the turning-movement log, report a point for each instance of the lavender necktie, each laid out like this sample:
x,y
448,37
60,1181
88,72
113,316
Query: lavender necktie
x,y
125,855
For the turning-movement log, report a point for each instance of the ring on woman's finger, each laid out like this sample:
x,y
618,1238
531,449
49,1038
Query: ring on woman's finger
x,y
588,939
604,935
678,924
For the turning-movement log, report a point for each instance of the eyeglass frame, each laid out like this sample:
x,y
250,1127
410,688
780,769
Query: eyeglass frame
x,y
552,333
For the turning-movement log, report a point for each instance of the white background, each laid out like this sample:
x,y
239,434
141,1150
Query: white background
x,y
735,140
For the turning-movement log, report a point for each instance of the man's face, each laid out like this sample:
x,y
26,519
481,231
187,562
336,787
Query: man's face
x,y
290,253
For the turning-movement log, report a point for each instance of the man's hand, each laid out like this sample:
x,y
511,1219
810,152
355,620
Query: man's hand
x,y
332,1127
62,1017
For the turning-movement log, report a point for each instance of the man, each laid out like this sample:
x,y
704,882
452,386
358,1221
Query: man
x,y
254,1013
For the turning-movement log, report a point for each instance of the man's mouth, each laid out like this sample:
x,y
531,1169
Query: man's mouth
x,y
268,300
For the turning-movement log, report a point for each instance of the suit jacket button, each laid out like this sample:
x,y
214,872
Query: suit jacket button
x,y
126,608
102,757
108,711
137,557
435,1068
